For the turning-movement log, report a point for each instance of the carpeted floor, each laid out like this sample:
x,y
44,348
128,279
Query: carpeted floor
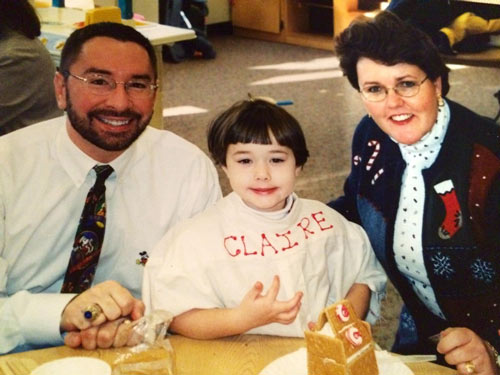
x,y
324,103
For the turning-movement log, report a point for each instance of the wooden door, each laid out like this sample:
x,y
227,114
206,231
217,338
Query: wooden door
x,y
262,15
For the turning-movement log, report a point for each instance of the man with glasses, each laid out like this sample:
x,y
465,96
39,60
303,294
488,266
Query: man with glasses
x,y
72,275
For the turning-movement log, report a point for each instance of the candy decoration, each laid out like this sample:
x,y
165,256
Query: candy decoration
x,y
377,175
376,144
356,159
354,336
342,313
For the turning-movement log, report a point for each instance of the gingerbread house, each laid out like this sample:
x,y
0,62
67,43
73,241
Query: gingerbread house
x,y
340,344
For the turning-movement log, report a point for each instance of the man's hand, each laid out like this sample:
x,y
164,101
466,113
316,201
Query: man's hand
x,y
464,349
115,302
258,309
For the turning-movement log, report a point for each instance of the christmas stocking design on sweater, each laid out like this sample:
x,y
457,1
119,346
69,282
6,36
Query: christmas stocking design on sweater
x,y
453,220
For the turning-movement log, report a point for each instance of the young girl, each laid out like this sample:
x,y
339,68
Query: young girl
x,y
261,260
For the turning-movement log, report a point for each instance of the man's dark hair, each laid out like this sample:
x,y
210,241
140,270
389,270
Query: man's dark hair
x,y
253,121
390,41
123,33
19,15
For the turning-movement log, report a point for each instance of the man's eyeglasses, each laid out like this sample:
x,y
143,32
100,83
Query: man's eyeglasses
x,y
100,84
377,93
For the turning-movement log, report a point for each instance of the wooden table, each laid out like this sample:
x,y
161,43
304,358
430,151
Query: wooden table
x,y
239,355
59,23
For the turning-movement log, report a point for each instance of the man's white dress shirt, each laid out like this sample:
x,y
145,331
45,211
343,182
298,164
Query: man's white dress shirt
x,y
44,178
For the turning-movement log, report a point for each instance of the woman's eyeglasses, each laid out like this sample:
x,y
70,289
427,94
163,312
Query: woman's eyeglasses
x,y
100,84
377,93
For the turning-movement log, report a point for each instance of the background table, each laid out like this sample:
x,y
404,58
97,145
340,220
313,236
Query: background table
x,y
59,23
239,355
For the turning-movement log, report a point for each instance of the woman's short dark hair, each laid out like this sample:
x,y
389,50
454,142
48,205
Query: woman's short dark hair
x,y
118,31
253,121
19,15
389,40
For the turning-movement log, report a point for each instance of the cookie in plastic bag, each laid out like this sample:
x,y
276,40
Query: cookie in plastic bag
x,y
154,354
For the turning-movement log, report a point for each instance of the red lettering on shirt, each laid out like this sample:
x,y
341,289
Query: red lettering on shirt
x,y
305,227
237,251
237,245
245,247
286,234
266,243
320,220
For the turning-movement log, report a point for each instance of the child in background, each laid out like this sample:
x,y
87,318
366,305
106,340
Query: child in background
x,y
211,271
451,25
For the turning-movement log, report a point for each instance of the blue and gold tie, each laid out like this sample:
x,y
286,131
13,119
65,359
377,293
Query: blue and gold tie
x,y
89,236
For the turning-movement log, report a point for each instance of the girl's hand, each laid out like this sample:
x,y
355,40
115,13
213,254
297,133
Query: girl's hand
x,y
260,309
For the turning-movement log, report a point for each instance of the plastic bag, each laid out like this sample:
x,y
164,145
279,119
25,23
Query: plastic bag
x,y
154,354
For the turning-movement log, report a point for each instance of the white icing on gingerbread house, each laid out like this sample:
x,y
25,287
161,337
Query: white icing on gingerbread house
x,y
341,343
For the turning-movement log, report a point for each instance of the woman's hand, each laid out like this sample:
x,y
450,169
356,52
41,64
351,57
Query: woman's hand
x,y
462,347
260,309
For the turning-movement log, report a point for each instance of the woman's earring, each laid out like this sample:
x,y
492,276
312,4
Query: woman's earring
x,y
440,101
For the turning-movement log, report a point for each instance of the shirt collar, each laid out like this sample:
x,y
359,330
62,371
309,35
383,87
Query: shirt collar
x,y
273,215
77,164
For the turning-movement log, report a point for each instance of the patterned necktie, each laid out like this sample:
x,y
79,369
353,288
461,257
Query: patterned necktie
x,y
89,236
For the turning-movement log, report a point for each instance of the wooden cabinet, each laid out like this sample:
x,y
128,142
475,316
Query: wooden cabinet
x,y
219,11
262,15
312,23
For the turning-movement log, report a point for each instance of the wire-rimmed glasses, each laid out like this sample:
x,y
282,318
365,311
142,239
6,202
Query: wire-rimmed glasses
x,y
101,84
406,88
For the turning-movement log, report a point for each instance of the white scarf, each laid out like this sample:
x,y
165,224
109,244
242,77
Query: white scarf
x,y
409,219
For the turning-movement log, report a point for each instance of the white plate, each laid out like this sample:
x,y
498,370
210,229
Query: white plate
x,y
73,366
295,363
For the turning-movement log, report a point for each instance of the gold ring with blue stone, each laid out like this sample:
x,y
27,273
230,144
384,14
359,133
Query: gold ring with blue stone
x,y
91,312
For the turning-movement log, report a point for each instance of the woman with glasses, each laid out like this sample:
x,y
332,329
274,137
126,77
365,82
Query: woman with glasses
x,y
425,185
